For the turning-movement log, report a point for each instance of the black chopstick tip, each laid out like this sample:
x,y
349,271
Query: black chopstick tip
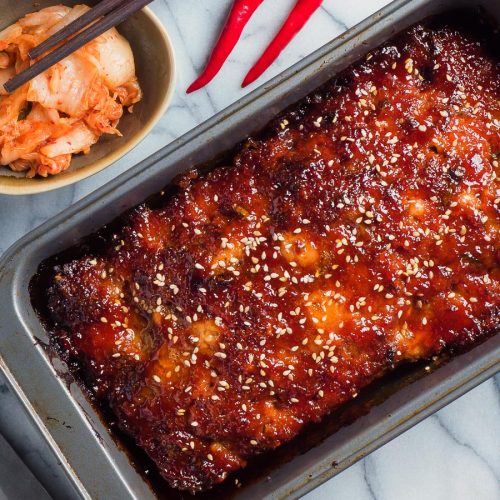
x,y
17,81
8,88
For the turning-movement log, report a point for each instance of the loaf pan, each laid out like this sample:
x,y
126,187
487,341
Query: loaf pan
x,y
95,462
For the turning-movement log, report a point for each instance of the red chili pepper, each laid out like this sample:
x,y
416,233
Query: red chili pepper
x,y
299,16
239,16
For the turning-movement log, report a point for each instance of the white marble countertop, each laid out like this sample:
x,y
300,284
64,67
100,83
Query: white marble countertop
x,y
454,454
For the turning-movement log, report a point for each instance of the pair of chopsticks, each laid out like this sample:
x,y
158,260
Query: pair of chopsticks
x,y
110,12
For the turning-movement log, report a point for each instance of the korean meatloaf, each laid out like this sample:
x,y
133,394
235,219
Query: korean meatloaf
x,y
357,232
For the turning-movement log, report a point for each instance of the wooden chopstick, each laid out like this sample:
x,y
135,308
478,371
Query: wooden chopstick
x,y
114,18
74,27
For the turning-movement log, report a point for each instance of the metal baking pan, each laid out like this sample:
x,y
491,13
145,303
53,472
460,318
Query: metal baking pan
x,y
96,466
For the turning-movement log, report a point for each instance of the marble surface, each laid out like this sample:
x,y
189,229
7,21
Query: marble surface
x,y
16,480
454,454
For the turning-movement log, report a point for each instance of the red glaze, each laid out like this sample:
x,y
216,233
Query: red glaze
x,y
358,232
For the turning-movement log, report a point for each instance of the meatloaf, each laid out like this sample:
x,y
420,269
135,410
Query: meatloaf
x,y
357,231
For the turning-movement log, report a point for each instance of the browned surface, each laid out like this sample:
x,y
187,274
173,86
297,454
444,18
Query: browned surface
x,y
360,231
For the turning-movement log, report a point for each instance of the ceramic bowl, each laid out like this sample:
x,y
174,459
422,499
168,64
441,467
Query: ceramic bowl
x,y
155,69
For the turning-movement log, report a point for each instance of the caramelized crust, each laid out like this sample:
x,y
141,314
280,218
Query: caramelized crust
x,y
359,231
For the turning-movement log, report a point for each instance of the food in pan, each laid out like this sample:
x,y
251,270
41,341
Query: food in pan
x,y
357,232
67,108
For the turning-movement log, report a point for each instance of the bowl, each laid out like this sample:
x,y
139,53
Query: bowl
x,y
155,69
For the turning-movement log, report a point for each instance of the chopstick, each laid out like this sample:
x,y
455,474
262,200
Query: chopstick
x,y
79,23
115,17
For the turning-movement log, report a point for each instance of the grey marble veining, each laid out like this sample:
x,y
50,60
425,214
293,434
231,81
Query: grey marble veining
x,y
452,455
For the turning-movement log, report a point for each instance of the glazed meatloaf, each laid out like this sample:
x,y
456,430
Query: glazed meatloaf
x,y
357,231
